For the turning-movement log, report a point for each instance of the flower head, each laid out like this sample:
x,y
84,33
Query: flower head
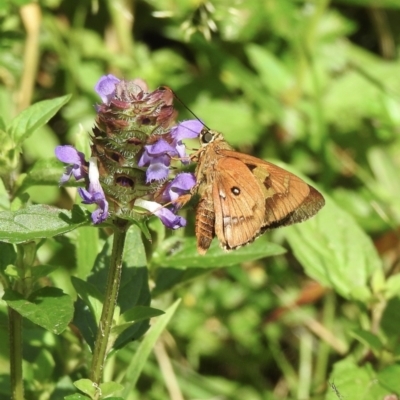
x,y
69,155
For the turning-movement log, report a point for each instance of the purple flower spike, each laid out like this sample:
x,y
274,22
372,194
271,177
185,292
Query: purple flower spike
x,y
105,87
179,186
95,194
167,217
69,155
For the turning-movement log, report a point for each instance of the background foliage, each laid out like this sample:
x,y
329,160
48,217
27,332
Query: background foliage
x,y
312,83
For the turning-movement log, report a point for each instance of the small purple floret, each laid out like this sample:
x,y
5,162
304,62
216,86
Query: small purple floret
x,y
105,87
69,155
167,217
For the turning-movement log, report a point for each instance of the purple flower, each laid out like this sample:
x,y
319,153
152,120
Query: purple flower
x,y
95,194
185,130
157,156
68,154
167,217
105,87
179,186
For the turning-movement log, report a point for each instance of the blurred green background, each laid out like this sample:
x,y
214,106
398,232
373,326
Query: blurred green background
x,y
315,84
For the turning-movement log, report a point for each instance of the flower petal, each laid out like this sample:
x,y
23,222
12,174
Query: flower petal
x,y
179,186
187,130
168,218
69,154
156,171
161,147
105,87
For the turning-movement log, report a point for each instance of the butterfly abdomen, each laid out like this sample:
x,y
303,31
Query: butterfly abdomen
x,y
205,220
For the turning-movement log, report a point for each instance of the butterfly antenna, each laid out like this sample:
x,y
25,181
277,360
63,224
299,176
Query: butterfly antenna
x,y
187,108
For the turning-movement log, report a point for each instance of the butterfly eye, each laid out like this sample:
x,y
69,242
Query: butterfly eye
x,y
207,137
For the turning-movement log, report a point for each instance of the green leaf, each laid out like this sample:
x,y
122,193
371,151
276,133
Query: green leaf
x,y
184,254
39,271
353,382
37,115
371,3
146,346
87,386
76,396
335,251
4,198
48,307
8,255
87,249
109,388
38,222
45,172
138,313
166,278
389,377
272,71
92,297
368,339
392,287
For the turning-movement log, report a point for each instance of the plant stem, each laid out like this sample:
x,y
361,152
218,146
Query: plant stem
x,y
110,301
15,332
25,257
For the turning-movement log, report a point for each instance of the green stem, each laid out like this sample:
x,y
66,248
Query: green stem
x,y
15,332
25,257
110,301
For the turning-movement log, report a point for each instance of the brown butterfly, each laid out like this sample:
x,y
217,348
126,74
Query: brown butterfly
x,y
242,196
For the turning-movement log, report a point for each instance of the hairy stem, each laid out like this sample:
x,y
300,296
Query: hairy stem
x,y
110,301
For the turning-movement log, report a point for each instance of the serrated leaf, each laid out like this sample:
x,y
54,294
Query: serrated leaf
x,y
185,255
32,118
334,250
38,222
47,307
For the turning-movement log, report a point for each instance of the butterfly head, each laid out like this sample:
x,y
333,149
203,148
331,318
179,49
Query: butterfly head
x,y
207,136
